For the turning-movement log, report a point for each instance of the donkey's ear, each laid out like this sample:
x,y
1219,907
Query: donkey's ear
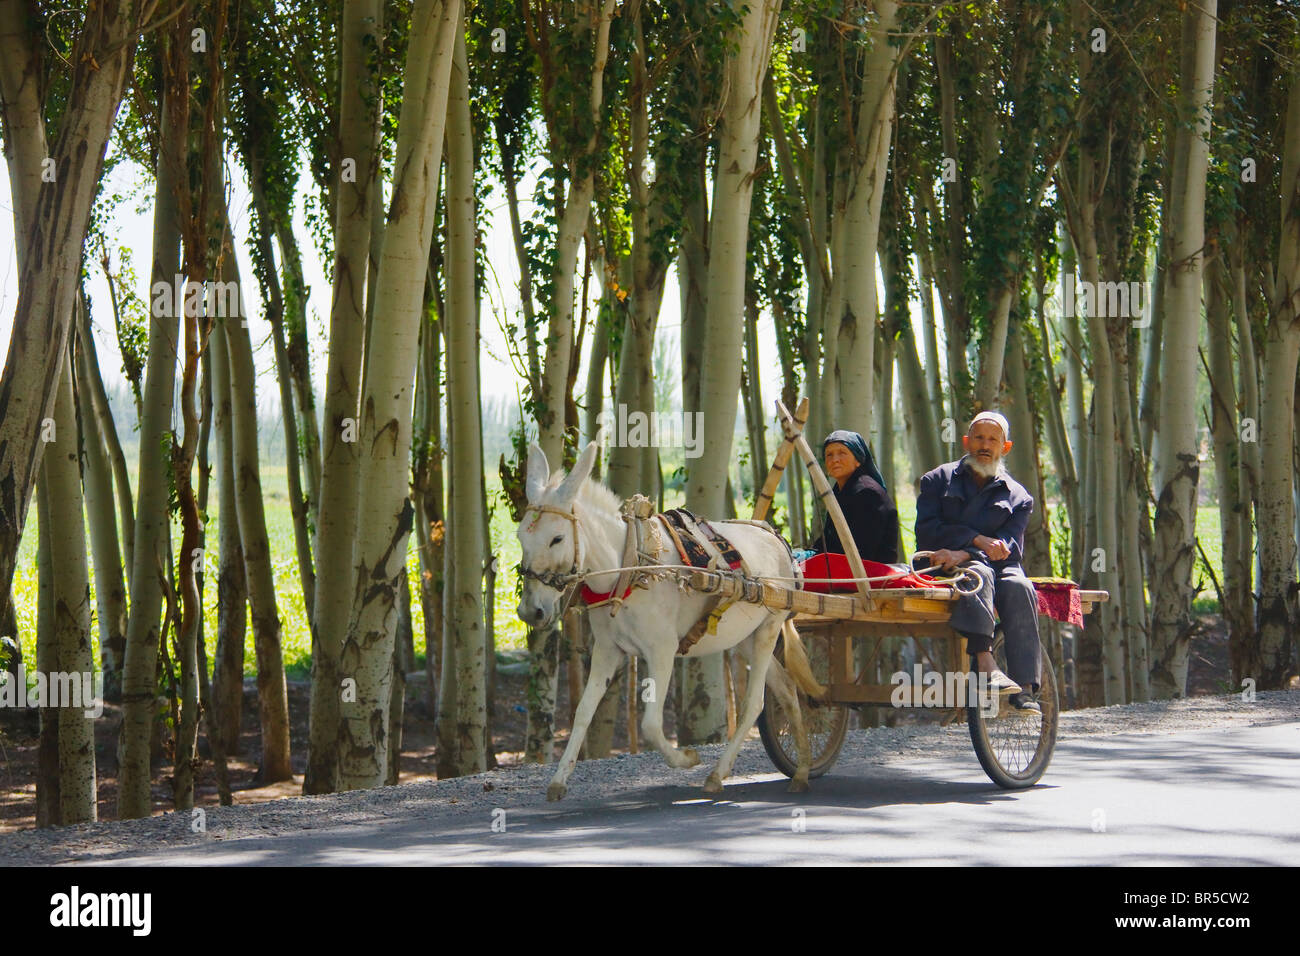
x,y
581,469
538,472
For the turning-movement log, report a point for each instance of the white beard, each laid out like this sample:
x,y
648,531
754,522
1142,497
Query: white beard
x,y
991,470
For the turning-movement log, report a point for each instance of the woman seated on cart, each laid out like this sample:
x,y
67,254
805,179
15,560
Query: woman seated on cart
x,y
868,508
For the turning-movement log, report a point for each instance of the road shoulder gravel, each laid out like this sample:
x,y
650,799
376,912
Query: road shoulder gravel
x,y
525,786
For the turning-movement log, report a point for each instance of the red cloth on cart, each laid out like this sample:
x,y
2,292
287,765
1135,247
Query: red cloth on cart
x,y
829,565
1059,599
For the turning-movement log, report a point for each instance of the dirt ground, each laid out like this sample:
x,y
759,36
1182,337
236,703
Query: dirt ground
x,y
1208,674
19,739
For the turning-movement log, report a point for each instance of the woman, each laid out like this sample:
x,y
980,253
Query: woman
x,y
860,490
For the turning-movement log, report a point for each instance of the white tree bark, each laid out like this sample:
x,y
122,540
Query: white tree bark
x,y
1277,544
861,221
384,510
70,627
110,585
232,582
1176,465
53,210
703,692
462,711
149,558
577,206
336,523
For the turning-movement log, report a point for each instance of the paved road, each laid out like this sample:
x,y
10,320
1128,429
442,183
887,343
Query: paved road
x,y
1206,797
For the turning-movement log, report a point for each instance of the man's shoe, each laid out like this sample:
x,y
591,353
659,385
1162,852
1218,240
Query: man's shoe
x,y
1000,683
1025,703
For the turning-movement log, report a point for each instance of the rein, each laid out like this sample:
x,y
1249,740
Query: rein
x,y
573,581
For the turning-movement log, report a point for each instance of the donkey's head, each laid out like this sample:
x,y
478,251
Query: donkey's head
x,y
548,535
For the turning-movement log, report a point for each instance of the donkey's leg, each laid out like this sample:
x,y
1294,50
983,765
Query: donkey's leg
x,y
762,641
785,688
787,694
659,661
605,657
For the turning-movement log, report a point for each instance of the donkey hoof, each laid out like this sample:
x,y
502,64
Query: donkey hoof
x,y
691,757
798,785
713,784
556,791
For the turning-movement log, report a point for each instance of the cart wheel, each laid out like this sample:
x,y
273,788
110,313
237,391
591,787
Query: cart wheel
x,y
1014,748
826,723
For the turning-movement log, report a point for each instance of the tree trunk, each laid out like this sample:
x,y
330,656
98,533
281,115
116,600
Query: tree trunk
x,y
102,417
866,185
1054,424
190,561
149,560
51,218
232,582
752,396
1102,551
297,355
110,586
272,696
299,504
703,691
1176,470
1089,669
1024,457
573,223
206,706
1237,609
48,804
384,513
462,711
1270,660
403,650
359,108
427,485
69,630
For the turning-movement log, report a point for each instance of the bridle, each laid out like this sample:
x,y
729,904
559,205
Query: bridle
x,y
556,580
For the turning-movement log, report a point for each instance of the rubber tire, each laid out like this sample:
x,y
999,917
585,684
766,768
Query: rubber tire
x,y
1048,699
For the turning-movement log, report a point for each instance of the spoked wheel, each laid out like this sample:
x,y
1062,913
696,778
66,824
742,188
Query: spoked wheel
x,y
1015,747
826,723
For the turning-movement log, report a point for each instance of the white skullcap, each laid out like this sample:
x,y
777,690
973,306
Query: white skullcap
x,y
997,418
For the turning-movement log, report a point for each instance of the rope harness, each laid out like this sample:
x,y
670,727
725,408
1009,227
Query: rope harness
x,y
699,545
556,580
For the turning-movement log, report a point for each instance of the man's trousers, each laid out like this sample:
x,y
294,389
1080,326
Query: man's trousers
x,y
1012,595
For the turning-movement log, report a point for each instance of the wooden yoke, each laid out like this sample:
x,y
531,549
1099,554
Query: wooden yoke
x,y
783,454
794,434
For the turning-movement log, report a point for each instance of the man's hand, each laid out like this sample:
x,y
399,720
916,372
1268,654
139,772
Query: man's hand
x,y
993,547
946,558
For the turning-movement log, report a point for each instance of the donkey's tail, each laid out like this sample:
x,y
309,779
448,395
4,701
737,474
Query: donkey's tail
x,y
796,662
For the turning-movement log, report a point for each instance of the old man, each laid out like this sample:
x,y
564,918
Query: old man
x,y
971,513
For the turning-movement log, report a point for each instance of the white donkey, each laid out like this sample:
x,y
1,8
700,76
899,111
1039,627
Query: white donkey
x,y
573,525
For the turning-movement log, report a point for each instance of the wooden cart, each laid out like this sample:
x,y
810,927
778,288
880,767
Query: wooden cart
x,y
1014,747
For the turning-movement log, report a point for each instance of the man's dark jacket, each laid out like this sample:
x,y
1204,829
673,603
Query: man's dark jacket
x,y
871,517
951,510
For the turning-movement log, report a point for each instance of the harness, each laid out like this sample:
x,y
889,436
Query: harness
x,y
697,543
557,580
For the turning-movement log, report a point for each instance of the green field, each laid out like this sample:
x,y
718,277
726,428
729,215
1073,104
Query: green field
x,y
510,632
